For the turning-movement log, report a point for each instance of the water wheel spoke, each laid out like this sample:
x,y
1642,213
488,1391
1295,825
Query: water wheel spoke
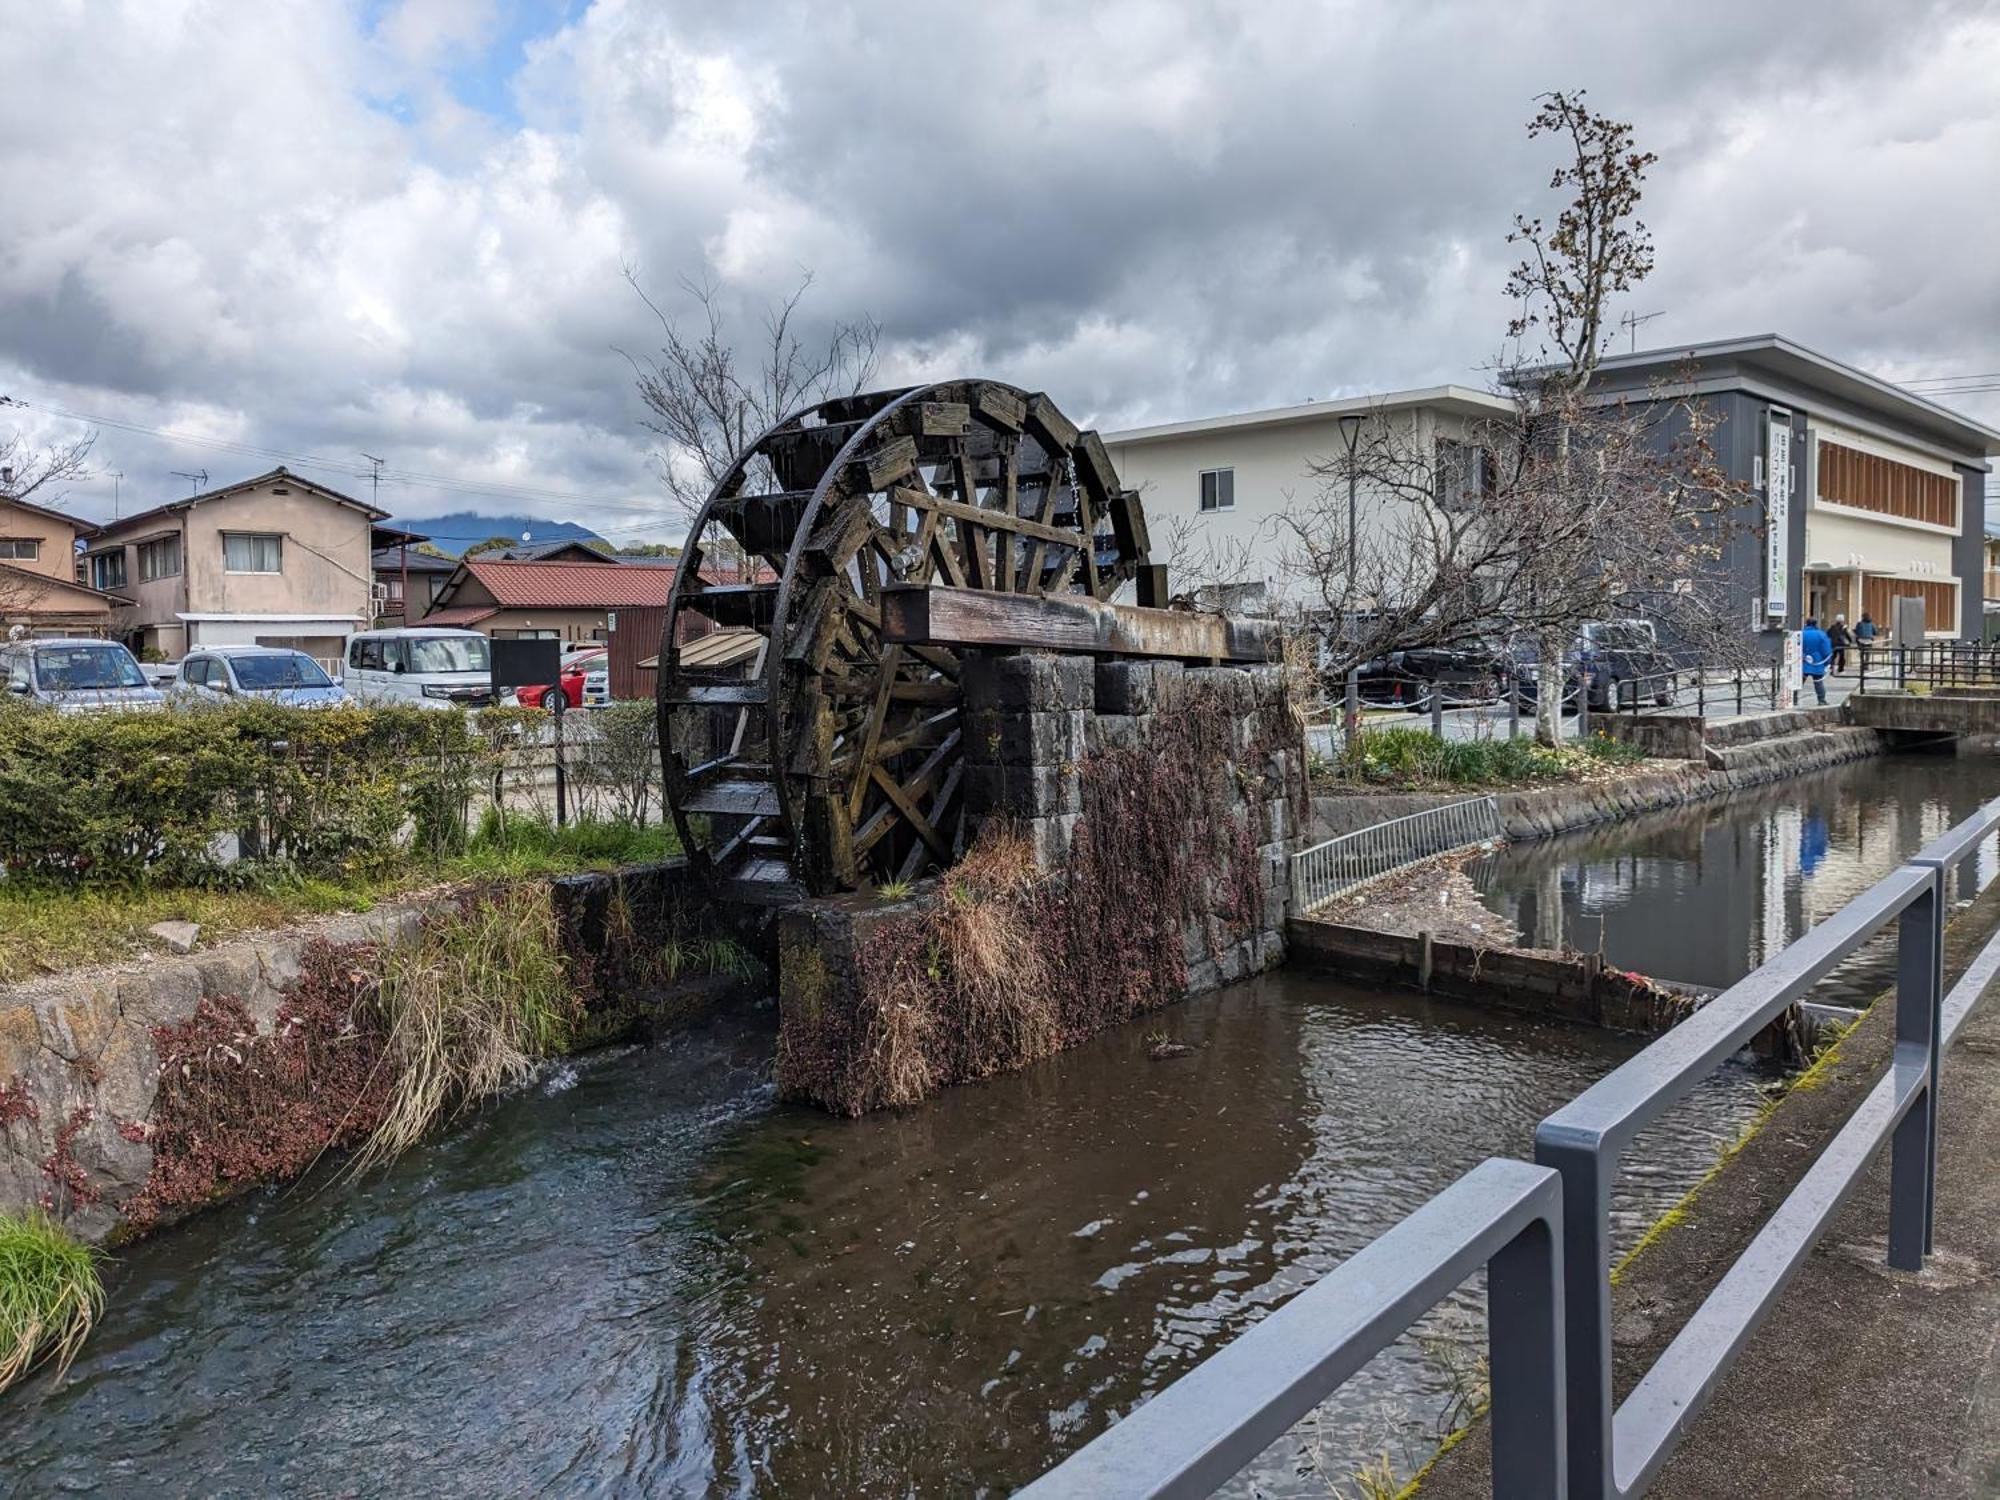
x,y
911,814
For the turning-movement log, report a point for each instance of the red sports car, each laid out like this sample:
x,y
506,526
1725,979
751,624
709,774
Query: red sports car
x,y
576,666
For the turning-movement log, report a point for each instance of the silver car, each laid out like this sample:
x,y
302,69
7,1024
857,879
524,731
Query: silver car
x,y
80,675
276,674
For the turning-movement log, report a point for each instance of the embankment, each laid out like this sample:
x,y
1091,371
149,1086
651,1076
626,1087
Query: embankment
x,y
131,1094
1537,812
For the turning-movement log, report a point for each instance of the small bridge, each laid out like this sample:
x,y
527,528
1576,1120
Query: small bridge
x,y
1961,712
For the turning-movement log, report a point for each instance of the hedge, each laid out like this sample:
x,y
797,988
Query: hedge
x,y
222,794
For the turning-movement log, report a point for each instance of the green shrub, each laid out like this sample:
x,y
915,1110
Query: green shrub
x,y
50,1295
1413,757
130,798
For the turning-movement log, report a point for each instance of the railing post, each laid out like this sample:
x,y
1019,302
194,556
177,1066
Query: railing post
x,y
1582,710
1701,693
1586,1272
1524,1360
1514,706
1352,719
1739,691
1437,712
1919,1003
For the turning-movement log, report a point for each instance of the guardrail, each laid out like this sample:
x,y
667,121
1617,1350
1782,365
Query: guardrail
x,y
1191,1438
1933,664
1327,870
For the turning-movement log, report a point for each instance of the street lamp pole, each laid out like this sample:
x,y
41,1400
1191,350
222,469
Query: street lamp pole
x,y
1350,434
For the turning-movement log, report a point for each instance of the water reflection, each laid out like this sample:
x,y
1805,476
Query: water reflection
x,y
646,1277
1705,894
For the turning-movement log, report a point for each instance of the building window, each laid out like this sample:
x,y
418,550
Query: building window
x,y
20,548
159,559
1218,489
1465,474
107,570
248,552
1867,481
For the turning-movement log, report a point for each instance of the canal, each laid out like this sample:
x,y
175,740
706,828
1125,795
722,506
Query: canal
x,y
1705,894
645,1276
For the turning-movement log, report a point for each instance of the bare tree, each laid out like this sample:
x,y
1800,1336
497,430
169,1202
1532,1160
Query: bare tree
x,y
709,401
36,475
1515,531
1597,248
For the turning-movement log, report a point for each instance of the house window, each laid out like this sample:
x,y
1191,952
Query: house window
x,y
107,570
249,552
159,559
1218,489
20,548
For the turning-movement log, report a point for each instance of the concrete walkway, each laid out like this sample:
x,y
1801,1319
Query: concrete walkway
x,y
1865,1382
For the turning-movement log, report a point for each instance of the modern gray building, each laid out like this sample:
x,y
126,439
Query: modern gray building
x,y
1863,492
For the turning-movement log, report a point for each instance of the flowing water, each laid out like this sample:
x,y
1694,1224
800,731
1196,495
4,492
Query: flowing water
x,y
645,1276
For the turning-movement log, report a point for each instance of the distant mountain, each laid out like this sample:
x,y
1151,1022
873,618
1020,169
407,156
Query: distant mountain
x,y
461,529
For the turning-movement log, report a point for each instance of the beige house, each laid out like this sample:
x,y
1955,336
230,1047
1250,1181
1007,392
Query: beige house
x,y
275,561
39,591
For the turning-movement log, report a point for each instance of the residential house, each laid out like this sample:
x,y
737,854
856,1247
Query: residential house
x,y
565,601
1991,602
39,591
402,568
1863,492
277,560
1215,488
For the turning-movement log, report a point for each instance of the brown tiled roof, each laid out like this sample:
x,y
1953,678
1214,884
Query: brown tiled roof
x,y
458,614
570,585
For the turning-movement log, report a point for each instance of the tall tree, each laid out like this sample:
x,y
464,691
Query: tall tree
x,y
1517,530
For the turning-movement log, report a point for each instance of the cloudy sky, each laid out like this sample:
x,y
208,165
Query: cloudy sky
x,y
399,226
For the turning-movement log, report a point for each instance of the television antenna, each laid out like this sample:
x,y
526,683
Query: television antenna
x,y
374,479
1630,323
195,480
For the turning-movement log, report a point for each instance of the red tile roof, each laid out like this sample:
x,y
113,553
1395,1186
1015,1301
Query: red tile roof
x,y
570,585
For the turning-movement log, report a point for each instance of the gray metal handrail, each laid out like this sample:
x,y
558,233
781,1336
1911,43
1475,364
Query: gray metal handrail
x,y
1201,1430
1618,1451
1340,864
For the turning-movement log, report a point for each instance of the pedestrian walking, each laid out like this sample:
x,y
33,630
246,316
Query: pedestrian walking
x,y
1841,638
1864,637
1815,651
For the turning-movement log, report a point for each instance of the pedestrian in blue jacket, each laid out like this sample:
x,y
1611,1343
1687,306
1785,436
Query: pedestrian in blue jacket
x,y
1815,651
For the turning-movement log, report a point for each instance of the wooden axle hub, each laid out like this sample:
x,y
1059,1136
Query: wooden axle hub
x,y
913,615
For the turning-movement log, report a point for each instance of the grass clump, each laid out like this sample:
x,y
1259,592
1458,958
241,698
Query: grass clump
x,y
51,928
1415,758
50,1295
471,1002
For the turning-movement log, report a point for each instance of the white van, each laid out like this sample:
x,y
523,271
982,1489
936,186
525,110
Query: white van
x,y
434,668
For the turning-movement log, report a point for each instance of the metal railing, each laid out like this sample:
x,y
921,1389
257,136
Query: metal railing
x,y
1205,1427
1330,869
1933,665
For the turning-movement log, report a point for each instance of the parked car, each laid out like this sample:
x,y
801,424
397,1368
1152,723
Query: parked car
x,y
161,674
277,674
578,668
78,675
434,668
1460,674
1612,652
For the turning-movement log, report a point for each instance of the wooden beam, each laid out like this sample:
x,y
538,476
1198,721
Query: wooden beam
x,y
971,617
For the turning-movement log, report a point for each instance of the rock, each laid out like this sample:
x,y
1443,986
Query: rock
x,y
179,937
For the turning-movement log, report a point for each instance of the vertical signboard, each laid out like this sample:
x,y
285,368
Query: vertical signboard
x,y
1778,515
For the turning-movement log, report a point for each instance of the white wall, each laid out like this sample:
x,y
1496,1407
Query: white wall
x,y
1273,464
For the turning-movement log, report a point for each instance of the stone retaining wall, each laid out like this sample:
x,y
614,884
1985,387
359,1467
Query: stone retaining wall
x,y
78,1067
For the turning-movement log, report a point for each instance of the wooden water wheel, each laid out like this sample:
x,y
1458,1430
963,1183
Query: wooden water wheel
x,y
829,759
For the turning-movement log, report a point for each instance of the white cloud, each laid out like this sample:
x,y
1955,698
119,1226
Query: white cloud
x,y
264,222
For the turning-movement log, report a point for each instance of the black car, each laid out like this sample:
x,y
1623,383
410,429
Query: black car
x,y
1459,674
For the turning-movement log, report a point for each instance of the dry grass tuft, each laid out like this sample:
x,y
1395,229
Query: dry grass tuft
x,y
50,1296
471,1002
